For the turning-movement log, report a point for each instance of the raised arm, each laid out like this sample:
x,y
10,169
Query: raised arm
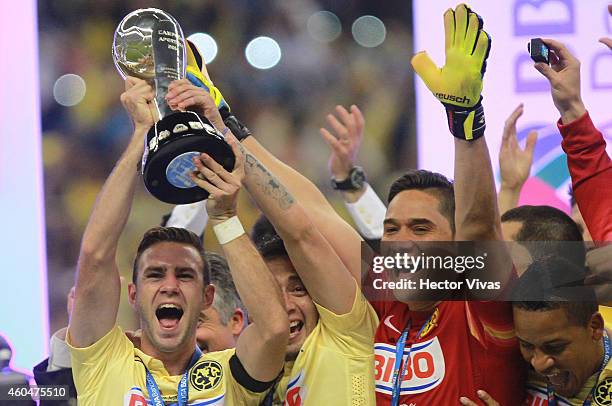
x,y
344,140
458,86
343,238
589,165
361,201
325,276
261,346
514,162
340,235
315,258
97,285
476,215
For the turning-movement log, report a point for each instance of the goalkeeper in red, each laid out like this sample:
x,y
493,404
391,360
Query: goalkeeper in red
x,y
438,352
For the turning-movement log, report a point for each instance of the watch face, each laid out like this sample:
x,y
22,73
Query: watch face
x,y
357,178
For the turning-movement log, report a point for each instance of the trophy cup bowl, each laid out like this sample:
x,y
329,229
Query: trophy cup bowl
x,y
149,45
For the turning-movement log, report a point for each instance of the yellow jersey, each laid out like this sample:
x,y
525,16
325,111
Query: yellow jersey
x,y
606,313
335,365
112,372
602,394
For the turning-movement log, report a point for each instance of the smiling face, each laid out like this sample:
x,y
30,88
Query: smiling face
x,y
414,215
303,315
169,294
566,353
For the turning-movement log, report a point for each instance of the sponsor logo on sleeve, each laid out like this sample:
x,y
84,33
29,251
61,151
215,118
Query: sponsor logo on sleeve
x,y
296,391
424,372
134,397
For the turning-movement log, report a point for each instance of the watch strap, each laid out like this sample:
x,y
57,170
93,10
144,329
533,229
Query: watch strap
x,y
350,184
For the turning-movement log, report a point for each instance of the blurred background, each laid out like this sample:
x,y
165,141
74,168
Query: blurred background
x,y
331,52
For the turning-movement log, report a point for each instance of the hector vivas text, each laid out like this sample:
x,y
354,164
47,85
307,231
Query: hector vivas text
x,y
405,263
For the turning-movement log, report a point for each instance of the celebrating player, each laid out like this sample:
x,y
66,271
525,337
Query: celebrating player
x,y
566,342
483,329
449,349
171,288
332,325
221,324
589,165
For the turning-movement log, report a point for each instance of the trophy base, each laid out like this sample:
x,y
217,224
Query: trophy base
x,y
171,145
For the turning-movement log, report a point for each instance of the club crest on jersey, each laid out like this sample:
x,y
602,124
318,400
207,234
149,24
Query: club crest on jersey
x,y
425,369
134,397
602,395
206,374
432,323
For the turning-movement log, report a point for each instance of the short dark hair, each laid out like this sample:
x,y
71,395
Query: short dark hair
x,y
579,313
432,183
556,283
267,241
543,223
226,296
170,234
547,231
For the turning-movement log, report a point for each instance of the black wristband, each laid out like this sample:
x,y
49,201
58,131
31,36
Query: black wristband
x,y
239,130
466,124
244,379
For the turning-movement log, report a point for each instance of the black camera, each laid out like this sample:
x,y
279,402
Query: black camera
x,y
538,50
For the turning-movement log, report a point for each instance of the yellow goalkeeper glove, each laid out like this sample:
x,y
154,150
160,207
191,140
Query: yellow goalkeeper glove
x,y
198,76
458,83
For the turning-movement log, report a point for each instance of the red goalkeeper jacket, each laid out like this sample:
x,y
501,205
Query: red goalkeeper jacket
x,y
591,171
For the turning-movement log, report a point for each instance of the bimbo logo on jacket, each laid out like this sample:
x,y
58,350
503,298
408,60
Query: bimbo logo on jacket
x,y
425,369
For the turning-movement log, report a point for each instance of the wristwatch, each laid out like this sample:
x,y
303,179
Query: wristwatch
x,y
355,180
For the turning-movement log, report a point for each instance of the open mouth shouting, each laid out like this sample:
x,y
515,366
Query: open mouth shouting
x,y
295,327
169,315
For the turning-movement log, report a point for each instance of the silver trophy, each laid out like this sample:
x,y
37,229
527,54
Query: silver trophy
x,y
149,45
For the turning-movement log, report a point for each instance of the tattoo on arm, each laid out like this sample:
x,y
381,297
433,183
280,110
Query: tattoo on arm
x,y
267,182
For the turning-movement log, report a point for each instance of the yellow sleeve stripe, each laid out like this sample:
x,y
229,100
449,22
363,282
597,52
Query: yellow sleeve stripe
x,y
467,126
